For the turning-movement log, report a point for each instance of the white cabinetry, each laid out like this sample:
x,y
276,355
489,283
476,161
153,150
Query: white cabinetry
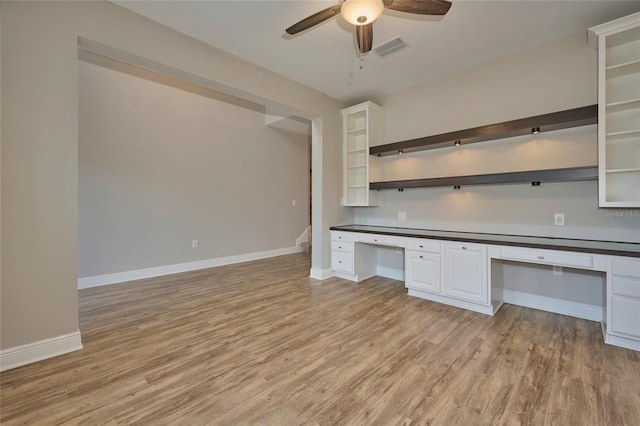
x,y
466,272
618,44
422,265
362,127
342,254
623,294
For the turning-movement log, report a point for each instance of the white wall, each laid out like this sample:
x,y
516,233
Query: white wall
x,y
159,166
551,77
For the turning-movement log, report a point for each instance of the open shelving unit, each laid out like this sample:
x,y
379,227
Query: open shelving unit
x,y
361,124
618,44
535,177
575,117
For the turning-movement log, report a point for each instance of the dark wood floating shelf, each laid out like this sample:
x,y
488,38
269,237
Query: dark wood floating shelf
x,y
546,122
535,177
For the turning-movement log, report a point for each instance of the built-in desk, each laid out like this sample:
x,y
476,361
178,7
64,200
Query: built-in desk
x,y
460,269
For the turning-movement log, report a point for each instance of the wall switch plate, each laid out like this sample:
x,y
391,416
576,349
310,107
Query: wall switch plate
x,y
557,270
558,219
402,215
194,243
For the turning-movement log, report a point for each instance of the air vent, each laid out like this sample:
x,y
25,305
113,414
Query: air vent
x,y
390,46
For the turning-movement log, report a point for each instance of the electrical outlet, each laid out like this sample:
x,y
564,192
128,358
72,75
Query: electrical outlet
x,y
558,219
402,215
557,270
194,243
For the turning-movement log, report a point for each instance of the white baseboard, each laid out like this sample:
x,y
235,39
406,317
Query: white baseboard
x,y
138,274
321,274
557,306
38,351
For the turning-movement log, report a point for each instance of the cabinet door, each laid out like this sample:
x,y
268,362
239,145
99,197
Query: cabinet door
x,y
422,271
466,272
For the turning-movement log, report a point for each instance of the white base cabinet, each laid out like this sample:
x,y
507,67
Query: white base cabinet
x,y
623,300
460,274
466,272
422,262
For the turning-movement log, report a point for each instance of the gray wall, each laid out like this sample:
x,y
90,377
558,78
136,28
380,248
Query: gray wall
x,y
160,166
551,77
39,133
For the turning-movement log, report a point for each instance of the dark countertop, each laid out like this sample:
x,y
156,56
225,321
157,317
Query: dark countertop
x,y
614,248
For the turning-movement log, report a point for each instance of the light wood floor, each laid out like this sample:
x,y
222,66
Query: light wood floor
x,y
260,343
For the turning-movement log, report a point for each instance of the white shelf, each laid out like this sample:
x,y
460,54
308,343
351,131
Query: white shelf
x,y
623,135
357,132
631,170
623,105
619,70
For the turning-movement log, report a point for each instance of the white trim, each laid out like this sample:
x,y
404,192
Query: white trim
x,y
40,350
623,342
550,304
118,277
321,274
470,306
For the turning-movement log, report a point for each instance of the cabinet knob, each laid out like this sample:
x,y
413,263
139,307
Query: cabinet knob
x,y
421,257
339,247
541,257
339,261
375,239
421,246
464,248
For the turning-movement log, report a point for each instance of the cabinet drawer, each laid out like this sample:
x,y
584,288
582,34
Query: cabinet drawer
x,y
625,287
431,246
547,257
344,246
625,268
341,236
386,240
342,262
625,316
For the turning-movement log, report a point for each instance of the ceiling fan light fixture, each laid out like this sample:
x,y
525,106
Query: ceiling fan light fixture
x,y
361,12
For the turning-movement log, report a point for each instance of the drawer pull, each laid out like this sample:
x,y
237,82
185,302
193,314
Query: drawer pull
x,y
339,238
421,257
375,239
464,248
339,247
541,257
421,246
339,261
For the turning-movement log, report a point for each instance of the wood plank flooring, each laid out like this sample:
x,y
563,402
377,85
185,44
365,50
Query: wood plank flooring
x,y
261,343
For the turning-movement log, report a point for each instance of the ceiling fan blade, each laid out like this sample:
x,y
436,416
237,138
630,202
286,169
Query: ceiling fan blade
x,y
419,7
364,34
314,19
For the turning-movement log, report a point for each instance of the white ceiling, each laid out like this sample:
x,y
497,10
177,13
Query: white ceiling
x,y
325,57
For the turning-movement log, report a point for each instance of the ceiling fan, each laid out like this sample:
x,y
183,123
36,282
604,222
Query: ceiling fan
x,y
362,13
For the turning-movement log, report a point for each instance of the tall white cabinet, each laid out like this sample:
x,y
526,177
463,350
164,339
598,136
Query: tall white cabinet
x,y
362,128
618,44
